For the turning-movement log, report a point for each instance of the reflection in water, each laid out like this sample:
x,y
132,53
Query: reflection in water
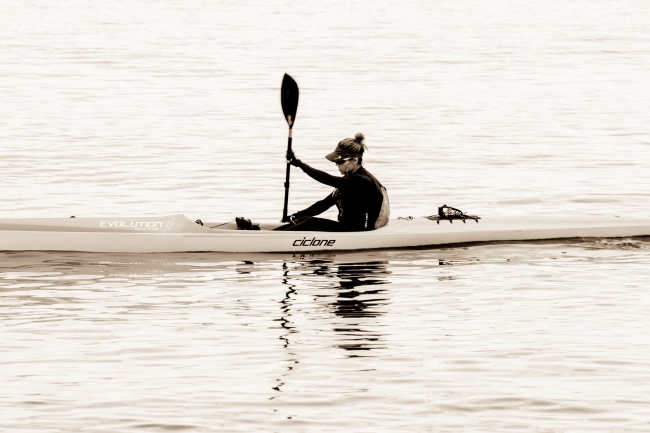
x,y
351,292
352,299
287,326
357,299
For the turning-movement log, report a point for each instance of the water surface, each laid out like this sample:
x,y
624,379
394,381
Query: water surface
x,y
150,107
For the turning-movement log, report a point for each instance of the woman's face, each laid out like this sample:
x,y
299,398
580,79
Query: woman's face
x,y
349,165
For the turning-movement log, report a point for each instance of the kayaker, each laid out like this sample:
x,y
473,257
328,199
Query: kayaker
x,y
361,200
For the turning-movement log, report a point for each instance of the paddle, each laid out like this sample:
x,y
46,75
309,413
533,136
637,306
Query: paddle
x,y
289,99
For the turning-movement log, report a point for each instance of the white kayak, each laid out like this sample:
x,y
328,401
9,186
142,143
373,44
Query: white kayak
x,y
177,233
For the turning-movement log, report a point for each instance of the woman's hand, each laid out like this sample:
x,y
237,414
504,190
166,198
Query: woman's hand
x,y
291,158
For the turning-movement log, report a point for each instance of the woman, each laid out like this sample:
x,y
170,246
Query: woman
x,y
361,200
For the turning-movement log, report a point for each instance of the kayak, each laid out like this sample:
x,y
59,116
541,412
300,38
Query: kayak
x,y
177,233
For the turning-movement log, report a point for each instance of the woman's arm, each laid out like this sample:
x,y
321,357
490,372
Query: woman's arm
x,y
321,176
318,208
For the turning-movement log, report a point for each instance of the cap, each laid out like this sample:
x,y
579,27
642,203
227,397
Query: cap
x,y
348,148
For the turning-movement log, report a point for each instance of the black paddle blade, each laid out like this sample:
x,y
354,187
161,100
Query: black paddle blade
x,y
289,99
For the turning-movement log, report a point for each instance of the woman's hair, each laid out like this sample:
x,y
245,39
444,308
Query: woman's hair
x,y
354,146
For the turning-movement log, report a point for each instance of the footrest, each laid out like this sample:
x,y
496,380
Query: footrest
x,y
245,224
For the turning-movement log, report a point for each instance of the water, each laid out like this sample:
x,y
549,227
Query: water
x,y
157,107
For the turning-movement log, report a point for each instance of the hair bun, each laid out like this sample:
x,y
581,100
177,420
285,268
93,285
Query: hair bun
x,y
359,137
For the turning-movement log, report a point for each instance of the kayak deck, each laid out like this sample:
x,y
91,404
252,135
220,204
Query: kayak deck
x,y
177,233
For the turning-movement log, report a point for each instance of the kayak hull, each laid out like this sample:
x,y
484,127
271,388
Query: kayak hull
x,y
177,233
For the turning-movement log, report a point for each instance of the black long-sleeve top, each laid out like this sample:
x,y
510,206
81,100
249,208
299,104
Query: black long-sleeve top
x,y
357,196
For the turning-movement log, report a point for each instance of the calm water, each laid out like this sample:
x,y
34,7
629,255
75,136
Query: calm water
x,y
157,107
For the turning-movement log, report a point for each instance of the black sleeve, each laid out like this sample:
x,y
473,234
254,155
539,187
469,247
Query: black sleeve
x,y
322,177
318,208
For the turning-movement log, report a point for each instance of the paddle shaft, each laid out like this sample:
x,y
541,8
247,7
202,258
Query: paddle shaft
x,y
286,182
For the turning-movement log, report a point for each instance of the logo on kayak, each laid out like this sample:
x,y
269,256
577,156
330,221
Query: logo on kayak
x,y
313,242
145,226
169,225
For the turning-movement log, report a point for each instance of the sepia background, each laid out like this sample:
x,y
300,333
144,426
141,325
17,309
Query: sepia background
x,y
154,107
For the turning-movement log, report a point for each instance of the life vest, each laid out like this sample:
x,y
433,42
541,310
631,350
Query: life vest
x,y
384,210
